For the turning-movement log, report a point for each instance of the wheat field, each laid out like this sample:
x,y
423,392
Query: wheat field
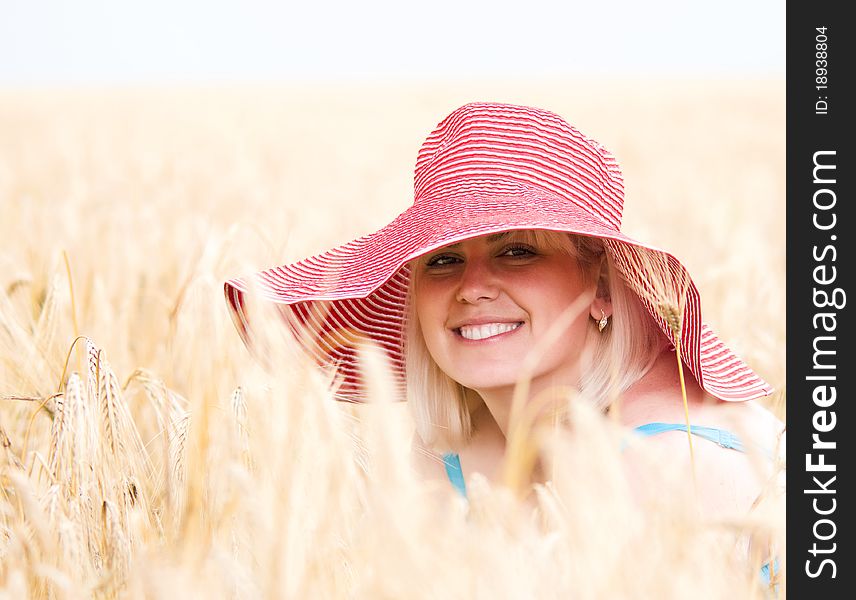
x,y
147,455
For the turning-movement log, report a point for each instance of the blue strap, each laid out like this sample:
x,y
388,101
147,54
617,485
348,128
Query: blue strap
x,y
452,462
724,438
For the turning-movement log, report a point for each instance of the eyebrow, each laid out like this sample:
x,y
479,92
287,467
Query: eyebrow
x,y
491,238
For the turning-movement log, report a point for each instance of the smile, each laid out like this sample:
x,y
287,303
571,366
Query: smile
x,y
488,330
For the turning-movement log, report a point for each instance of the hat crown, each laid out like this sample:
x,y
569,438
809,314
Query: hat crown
x,y
484,149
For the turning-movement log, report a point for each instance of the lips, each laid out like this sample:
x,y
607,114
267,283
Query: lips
x,y
486,330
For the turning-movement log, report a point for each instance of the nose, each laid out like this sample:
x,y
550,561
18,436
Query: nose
x,y
477,283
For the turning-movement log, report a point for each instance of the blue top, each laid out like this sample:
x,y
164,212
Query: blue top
x,y
724,438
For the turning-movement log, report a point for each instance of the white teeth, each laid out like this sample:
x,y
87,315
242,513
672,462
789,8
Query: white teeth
x,y
480,332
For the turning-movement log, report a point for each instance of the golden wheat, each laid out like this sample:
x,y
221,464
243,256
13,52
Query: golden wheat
x,y
206,474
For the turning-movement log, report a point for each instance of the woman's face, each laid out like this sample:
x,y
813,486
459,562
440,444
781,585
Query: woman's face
x,y
484,303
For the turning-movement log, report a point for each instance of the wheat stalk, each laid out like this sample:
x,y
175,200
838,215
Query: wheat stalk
x,y
7,447
46,325
179,427
520,447
108,399
58,427
663,284
71,295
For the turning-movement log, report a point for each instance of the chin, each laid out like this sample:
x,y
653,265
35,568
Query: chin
x,y
485,386
488,380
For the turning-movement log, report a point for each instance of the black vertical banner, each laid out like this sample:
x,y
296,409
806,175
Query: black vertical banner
x,y
820,368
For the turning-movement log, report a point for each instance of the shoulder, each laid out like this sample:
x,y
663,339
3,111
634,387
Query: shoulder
x,y
657,397
729,482
659,400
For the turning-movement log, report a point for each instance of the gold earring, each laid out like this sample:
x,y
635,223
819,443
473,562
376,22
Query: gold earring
x,y
601,325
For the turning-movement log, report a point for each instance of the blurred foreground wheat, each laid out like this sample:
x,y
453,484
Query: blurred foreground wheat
x,y
145,454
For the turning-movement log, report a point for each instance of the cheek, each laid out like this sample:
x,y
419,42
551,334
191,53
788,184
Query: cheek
x,y
426,304
557,291
432,329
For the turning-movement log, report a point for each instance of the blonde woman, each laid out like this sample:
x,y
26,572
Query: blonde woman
x,y
513,246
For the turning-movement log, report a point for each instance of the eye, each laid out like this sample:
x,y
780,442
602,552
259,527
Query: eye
x,y
441,260
519,251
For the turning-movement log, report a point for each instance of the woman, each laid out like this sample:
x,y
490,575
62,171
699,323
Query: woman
x,y
510,265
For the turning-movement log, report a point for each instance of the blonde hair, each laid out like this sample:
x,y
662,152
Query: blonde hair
x,y
623,352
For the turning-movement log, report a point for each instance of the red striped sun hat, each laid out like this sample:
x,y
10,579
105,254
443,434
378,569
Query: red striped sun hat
x,y
485,168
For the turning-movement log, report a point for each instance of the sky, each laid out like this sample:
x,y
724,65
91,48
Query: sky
x,y
81,42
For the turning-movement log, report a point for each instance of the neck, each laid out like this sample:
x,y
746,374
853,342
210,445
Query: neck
x,y
491,420
547,393
659,386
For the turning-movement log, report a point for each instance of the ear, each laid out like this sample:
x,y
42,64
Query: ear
x,y
601,305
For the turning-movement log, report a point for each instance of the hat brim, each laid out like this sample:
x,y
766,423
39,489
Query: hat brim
x,y
357,292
